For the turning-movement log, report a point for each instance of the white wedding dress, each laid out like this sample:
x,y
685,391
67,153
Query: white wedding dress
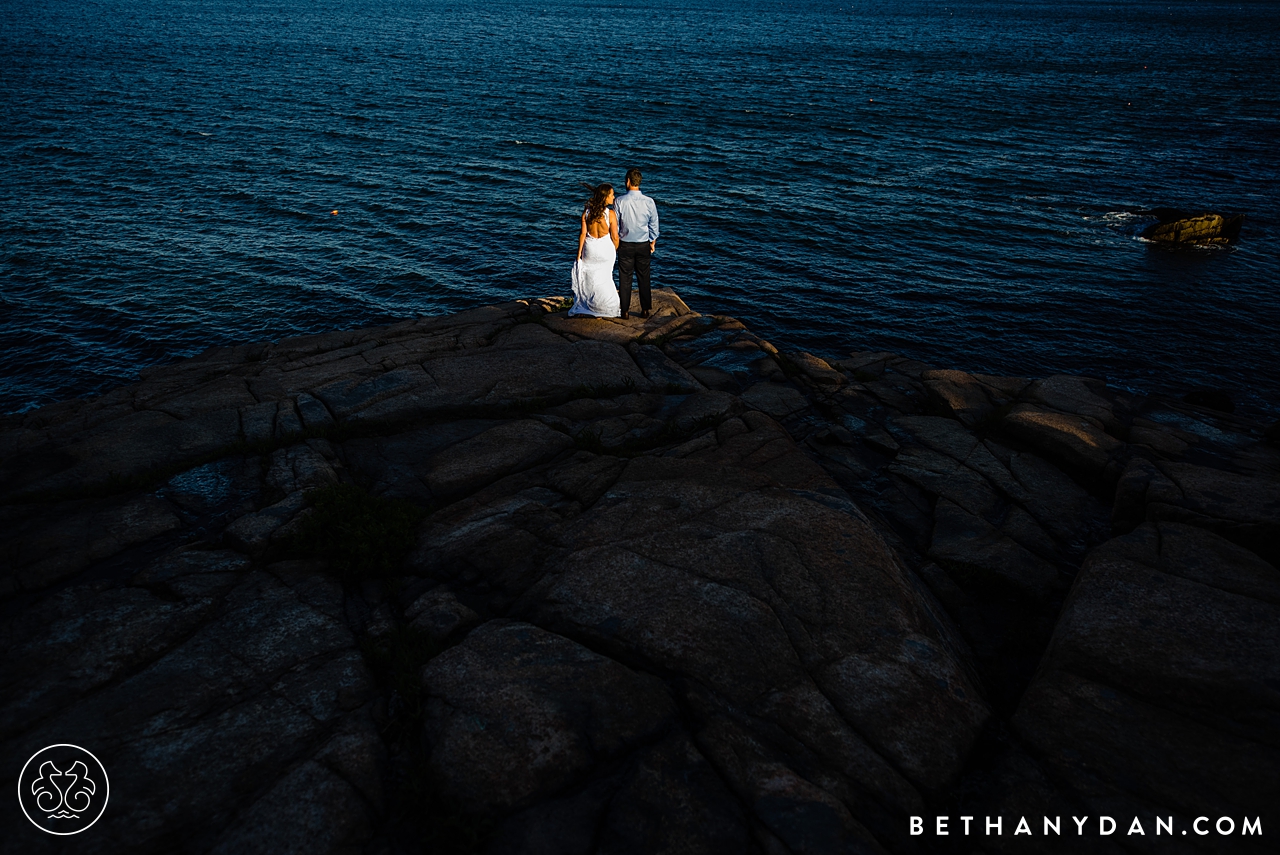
x,y
594,292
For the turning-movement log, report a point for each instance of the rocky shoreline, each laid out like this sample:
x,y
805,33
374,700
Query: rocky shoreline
x,y
507,581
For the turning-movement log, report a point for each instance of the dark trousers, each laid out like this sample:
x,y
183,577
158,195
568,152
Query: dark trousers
x,y
634,256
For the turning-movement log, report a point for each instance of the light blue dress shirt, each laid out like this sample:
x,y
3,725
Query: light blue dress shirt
x,y
637,217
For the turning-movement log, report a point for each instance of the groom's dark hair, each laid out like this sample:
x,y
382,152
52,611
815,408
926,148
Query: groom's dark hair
x,y
633,177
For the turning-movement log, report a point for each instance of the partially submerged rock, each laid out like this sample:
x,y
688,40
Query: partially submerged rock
x,y
1178,227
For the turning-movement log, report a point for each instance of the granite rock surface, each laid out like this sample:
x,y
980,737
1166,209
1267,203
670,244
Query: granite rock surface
x,y
649,586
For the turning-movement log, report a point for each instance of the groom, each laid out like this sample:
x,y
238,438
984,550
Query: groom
x,y
637,233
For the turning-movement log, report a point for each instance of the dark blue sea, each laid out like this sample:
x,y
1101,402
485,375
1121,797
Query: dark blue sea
x,y
953,182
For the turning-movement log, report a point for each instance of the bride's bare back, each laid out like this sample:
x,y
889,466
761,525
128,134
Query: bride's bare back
x,y
601,226
606,225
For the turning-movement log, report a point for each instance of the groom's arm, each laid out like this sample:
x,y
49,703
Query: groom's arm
x,y
653,226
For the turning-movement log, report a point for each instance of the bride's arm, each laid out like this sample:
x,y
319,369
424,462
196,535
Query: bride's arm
x,y
582,234
613,228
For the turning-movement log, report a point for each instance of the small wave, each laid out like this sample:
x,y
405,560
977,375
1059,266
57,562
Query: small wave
x,y
1179,247
1119,218
1196,426
60,149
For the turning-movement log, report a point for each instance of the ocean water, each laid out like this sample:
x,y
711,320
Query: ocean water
x,y
953,182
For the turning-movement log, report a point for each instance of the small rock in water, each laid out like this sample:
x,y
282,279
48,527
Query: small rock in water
x,y
1202,229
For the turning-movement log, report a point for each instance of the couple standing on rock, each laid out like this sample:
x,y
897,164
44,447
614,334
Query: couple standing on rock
x,y
626,232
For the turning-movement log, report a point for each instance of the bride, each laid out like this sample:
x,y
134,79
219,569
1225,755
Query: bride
x,y
594,292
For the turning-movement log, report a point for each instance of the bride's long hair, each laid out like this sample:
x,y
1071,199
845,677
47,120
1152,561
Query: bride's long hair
x,y
596,204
